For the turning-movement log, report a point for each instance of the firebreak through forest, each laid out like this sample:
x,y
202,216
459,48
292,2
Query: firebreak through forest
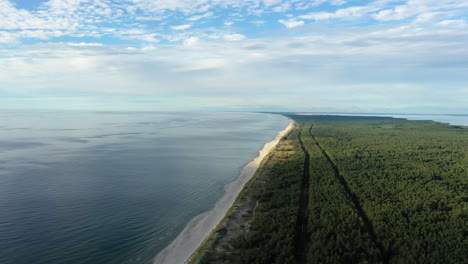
x,y
358,190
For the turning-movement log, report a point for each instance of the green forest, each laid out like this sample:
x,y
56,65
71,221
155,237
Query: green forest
x,y
272,234
363,190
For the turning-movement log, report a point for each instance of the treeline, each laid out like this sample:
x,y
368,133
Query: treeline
x,y
409,177
381,190
272,233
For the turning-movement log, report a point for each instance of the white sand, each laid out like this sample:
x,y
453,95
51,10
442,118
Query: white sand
x,y
200,227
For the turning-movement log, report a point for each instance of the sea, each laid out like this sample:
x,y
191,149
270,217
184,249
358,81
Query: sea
x,y
117,187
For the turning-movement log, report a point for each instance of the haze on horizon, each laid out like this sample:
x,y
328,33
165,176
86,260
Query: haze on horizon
x,y
267,55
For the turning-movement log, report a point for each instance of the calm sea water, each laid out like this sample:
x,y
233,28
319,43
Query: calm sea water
x,y
114,187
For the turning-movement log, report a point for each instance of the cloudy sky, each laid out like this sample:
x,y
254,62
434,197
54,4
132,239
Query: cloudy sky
x,y
272,55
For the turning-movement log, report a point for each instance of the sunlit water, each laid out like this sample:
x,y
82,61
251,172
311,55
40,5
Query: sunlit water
x,y
114,187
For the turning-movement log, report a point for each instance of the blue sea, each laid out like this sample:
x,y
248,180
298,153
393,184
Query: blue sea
x,y
115,187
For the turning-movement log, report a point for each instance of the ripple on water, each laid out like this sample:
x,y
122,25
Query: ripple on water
x,y
90,187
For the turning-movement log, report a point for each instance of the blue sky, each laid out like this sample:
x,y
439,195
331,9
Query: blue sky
x,y
267,55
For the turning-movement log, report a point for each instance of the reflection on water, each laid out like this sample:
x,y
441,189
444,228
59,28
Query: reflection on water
x,y
114,187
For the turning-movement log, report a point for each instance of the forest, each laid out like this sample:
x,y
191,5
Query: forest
x,y
379,190
261,228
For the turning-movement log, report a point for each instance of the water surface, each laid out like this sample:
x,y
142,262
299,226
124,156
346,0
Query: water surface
x,y
114,187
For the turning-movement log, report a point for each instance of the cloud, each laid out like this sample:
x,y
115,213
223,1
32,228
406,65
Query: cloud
x,y
137,34
291,23
194,51
355,11
7,38
181,27
191,41
381,11
198,17
283,7
417,7
456,23
258,23
84,44
394,60
204,64
234,37
200,6
85,18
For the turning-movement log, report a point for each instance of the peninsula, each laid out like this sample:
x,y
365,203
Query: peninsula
x,y
341,189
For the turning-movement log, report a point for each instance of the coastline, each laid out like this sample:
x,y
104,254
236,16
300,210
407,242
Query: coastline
x,y
201,226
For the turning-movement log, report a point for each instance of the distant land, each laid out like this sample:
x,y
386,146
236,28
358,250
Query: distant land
x,y
453,119
352,189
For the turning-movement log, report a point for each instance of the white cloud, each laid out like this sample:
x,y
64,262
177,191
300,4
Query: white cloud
x,y
291,23
198,17
430,17
205,64
137,34
234,37
258,23
456,23
283,7
191,41
85,44
181,27
390,67
417,7
7,38
12,18
149,48
271,2
424,11
355,11
61,6
319,15
85,18
302,5
420,53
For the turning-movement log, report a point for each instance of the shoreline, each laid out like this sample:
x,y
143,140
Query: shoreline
x,y
201,226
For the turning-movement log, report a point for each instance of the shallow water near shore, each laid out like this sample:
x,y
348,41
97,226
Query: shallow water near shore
x,y
115,187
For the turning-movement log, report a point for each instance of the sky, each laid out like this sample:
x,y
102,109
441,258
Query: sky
x,y
382,56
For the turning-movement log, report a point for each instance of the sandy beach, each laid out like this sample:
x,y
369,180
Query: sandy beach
x,y
180,250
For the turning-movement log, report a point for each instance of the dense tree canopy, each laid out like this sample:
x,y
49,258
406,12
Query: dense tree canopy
x,y
380,190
